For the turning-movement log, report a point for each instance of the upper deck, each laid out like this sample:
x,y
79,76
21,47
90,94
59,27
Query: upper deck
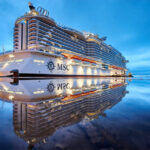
x,y
36,29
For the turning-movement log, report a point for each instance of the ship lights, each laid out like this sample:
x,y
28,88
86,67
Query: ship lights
x,y
34,13
5,65
89,82
5,88
38,61
38,92
19,60
80,83
69,62
69,91
11,56
19,93
31,106
10,97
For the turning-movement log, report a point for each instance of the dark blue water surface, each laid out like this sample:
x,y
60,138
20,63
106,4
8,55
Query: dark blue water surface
x,y
64,115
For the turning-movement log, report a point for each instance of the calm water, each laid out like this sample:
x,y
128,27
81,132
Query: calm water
x,y
74,114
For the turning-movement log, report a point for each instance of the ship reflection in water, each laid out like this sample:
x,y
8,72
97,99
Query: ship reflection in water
x,y
59,113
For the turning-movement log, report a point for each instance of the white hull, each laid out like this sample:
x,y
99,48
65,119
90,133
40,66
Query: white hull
x,y
39,90
31,62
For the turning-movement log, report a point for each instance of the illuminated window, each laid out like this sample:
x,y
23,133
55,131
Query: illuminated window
x,y
38,61
11,56
19,60
38,92
10,97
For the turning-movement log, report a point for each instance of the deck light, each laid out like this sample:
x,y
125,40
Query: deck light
x,y
11,56
11,97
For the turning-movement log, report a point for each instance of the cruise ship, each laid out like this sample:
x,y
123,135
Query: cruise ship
x,y
41,107
44,48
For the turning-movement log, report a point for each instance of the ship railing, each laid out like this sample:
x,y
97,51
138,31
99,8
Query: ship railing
x,y
31,15
50,49
76,62
55,50
86,64
72,30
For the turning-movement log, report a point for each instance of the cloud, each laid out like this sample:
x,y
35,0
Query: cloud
x,y
138,58
140,90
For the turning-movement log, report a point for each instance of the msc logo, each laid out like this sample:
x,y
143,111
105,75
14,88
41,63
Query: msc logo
x,y
51,66
59,66
50,87
63,86
60,86
62,67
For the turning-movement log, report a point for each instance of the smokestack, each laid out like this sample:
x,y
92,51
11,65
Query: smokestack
x,y
31,7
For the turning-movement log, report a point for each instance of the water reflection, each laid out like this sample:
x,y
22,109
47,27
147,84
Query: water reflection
x,y
40,107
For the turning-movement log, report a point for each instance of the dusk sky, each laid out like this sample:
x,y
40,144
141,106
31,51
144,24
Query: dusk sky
x,y
126,23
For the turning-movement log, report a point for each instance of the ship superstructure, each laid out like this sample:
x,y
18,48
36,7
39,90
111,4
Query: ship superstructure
x,y
42,47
